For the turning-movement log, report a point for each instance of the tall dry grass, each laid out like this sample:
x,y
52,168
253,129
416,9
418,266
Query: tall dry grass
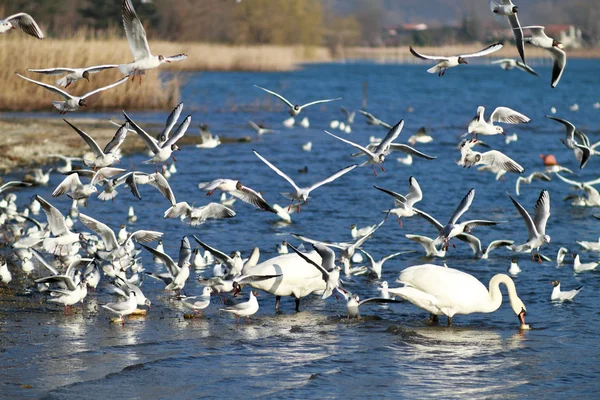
x,y
19,52
216,57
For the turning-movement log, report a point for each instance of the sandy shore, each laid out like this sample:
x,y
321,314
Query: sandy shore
x,y
27,142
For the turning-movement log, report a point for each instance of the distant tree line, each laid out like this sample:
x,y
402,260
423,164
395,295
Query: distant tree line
x,y
306,22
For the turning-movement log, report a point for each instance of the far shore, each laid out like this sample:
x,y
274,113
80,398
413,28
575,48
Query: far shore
x,y
162,91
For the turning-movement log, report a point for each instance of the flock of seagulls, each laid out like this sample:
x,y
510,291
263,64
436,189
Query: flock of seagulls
x,y
98,251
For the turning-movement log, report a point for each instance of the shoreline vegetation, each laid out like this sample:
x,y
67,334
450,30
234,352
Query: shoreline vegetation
x,y
27,142
18,53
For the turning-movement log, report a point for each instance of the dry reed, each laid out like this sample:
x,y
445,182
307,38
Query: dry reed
x,y
19,52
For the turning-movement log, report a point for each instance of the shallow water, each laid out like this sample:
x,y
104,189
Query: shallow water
x,y
392,351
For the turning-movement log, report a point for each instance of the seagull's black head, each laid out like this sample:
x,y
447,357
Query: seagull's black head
x,y
236,289
556,43
239,185
462,60
515,9
86,75
296,107
82,103
163,59
174,147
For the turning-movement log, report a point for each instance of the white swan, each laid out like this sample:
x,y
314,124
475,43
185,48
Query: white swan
x,y
298,278
448,291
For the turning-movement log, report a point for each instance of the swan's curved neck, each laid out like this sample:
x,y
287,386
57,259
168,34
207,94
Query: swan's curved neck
x,y
495,299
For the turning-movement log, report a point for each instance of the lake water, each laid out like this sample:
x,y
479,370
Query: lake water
x,y
393,352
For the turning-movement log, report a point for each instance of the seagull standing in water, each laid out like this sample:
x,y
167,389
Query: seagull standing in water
x,y
138,44
245,309
123,308
295,109
353,303
558,295
445,62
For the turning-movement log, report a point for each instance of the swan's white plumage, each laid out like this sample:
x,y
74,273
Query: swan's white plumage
x,y
298,278
447,291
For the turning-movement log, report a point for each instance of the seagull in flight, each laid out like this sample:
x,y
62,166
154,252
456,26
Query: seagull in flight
x,y
299,194
493,158
378,151
72,74
372,120
507,9
509,63
539,38
24,21
138,44
377,156
535,175
571,143
330,272
404,204
237,190
443,62
161,151
479,126
536,227
260,130
108,156
295,109
453,228
71,103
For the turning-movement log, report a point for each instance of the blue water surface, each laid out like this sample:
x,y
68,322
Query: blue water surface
x,y
391,353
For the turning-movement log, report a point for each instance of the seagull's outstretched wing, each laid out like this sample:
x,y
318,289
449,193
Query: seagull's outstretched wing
x,y
51,88
27,24
135,32
426,57
488,50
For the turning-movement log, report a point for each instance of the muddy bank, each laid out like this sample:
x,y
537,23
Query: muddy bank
x,y
27,142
